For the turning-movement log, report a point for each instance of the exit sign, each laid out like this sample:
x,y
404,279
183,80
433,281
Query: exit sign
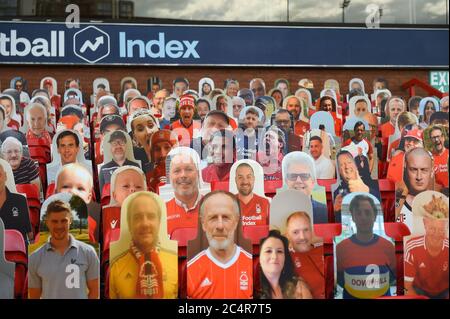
x,y
439,80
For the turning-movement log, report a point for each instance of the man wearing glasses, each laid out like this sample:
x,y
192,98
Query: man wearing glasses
x,y
299,173
440,155
284,121
118,142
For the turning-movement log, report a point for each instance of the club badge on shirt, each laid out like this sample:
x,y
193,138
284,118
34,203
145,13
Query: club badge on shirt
x,y
258,209
15,212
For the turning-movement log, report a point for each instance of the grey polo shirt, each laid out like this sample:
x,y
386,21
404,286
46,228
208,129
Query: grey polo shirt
x,y
63,276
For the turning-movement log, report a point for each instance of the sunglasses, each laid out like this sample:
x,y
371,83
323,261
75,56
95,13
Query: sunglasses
x,y
303,176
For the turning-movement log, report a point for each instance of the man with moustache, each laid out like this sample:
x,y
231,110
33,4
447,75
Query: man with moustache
x,y
184,176
254,208
224,269
362,144
440,155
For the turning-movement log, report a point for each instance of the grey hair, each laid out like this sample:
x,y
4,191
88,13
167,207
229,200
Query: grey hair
x,y
236,207
298,157
11,141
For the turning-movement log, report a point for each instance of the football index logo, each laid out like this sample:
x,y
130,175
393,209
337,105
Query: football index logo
x,y
91,44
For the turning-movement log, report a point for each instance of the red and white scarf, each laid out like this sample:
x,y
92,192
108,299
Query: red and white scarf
x,y
150,277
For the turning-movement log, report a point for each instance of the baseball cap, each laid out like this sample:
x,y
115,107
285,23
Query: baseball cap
x,y
306,83
117,135
111,119
48,81
415,133
163,136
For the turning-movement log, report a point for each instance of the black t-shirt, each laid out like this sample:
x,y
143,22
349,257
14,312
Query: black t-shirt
x,y
14,214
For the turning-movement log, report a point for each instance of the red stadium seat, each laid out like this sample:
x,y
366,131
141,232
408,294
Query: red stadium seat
x,y
327,183
31,192
106,195
255,233
110,221
223,186
270,187
15,251
183,235
397,231
387,191
328,232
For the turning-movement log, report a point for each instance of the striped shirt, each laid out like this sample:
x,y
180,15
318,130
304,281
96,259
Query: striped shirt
x,y
27,171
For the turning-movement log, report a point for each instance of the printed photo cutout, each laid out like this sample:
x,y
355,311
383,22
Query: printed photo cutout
x,y
378,97
299,173
426,250
247,95
436,141
144,262
205,87
268,105
258,87
12,118
282,85
365,261
67,147
352,176
291,214
118,151
359,106
63,264
270,152
356,83
7,268
73,93
238,104
305,94
184,189
125,181
405,121
319,145
48,83
332,84
427,107
336,98
222,103
418,176
251,121
356,139
21,85
247,183
40,129
297,107
324,121
220,262
169,112
14,211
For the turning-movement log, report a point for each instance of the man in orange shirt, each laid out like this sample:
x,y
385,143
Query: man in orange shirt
x,y
307,257
224,269
294,105
186,125
440,154
182,210
223,154
254,208
412,139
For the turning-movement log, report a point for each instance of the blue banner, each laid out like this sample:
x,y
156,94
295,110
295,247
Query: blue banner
x,y
134,44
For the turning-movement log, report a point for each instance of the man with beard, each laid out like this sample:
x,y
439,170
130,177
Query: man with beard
x,y
294,105
440,155
284,120
307,257
118,142
418,177
222,151
324,166
351,181
299,173
362,144
254,208
224,269
63,268
182,210
145,270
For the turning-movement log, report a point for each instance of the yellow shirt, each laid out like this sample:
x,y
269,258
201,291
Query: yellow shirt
x,y
124,275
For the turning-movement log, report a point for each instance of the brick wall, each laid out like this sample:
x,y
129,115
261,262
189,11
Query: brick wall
x,y
87,74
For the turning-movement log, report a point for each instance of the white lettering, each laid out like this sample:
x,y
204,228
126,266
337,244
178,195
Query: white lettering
x,y
38,47
73,279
